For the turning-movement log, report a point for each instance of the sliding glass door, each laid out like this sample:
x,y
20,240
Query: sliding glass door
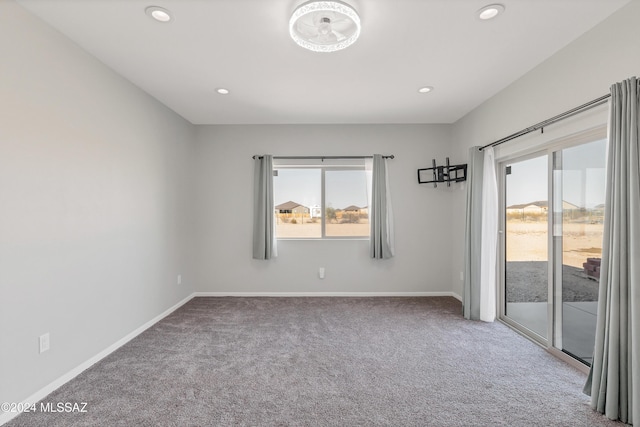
x,y
552,224
579,192
526,244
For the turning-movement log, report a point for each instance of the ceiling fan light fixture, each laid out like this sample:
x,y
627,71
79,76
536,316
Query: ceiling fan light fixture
x,y
324,26
160,14
490,11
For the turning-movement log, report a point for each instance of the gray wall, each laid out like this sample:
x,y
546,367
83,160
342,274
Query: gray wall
x,y
94,197
224,171
582,71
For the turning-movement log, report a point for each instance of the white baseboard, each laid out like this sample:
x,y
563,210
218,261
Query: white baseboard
x,y
456,296
328,294
42,393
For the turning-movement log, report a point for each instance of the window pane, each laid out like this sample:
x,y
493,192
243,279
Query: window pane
x,y
297,199
526,244
581,213
347,213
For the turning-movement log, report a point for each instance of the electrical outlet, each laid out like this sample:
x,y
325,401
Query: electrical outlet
x,y
43,340
321,272
462,275
179,280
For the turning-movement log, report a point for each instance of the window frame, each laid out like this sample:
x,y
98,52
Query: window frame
x,y
323,169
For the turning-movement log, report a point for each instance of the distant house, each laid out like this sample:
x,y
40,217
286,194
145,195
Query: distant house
x,y
566,206
541,207
291,208
356,209
538,207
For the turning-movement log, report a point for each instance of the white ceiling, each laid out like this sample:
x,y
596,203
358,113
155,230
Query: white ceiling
x,y
244,46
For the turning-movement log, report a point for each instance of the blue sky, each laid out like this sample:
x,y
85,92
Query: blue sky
x,y
343,187
583,176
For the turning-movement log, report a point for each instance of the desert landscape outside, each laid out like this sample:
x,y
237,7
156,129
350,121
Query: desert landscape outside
x,y
527,241
303,226
527,260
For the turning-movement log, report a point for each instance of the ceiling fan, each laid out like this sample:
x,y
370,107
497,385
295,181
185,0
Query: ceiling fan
x,y
324,26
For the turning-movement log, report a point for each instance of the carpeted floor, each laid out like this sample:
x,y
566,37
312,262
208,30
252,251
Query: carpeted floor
x,y
325,362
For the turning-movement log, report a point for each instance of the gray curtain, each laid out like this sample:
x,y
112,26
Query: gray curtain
x,y
263,211
614,378
381,244
473,235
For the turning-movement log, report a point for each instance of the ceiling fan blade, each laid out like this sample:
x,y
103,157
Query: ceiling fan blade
x,y
325,39
342,25
339,36
307,29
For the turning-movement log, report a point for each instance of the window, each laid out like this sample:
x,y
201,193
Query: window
x,y
318,201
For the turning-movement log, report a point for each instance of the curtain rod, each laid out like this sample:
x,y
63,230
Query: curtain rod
x,y
584,107
391,156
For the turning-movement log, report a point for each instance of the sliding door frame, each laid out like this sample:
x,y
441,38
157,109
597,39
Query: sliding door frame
x,y
553,316
502,165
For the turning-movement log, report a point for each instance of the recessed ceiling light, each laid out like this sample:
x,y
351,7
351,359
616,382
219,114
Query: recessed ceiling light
x,y
158,13
425,89
223,91
490,11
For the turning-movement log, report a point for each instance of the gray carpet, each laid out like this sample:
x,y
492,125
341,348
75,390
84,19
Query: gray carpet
x,y
325,362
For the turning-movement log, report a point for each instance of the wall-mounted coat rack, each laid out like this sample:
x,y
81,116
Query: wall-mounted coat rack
x,y
447,173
